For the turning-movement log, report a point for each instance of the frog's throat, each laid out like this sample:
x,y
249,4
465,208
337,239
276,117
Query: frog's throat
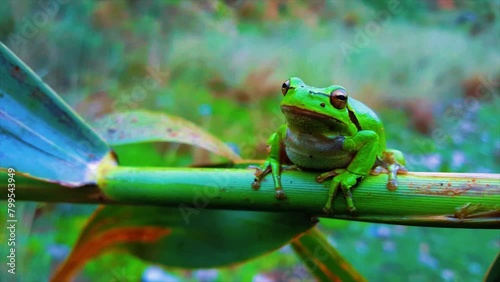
x,y
302,112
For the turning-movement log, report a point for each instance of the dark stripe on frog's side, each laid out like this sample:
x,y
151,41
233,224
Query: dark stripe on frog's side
x,y
352,116
354,119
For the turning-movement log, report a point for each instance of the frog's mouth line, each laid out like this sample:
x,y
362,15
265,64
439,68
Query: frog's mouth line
x,y
311,114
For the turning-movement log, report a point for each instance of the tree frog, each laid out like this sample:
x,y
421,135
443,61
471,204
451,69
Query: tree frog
x,y
328,131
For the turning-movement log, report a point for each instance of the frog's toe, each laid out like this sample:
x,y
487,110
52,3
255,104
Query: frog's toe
x,y
320,179
291,167
280,194
402,170
392,185
256,184
377,170
327,210
324,176
352,209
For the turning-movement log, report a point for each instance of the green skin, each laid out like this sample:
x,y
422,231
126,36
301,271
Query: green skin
x,y
327,131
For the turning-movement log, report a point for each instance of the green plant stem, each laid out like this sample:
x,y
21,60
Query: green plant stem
x,y
323,260
427,199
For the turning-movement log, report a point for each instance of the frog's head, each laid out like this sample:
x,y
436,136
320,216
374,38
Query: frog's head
x,y
314,109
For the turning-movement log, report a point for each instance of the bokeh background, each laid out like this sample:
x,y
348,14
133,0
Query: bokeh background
x,y
430,69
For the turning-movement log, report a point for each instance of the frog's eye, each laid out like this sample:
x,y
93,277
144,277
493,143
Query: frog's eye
x,y
285,87
338,98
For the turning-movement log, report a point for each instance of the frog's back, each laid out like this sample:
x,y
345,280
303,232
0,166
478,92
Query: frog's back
x,y
368,120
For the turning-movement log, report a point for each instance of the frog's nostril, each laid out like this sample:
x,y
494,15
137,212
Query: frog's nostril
x,y
322,105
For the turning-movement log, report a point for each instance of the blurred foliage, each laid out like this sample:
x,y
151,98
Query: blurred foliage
x,y
431,69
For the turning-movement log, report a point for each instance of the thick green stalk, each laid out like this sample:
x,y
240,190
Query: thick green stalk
x,y
323,260
427,199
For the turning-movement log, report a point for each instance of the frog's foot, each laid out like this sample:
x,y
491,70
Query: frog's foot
x,y
279,193
327,209
259,175
324,176
261,172
346,180
290,167
392,171
466,210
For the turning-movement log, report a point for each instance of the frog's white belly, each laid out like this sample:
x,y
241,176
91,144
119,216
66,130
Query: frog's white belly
x,y
315,151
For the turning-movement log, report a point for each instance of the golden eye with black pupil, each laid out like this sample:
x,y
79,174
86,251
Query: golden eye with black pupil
x,y
338,99
285,87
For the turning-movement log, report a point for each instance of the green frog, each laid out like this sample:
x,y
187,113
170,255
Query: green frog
x,y
328,131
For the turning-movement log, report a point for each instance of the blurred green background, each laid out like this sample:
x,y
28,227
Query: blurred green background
x,y
430,69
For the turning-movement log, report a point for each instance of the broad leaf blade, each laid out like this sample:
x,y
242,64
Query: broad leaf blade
x,y
321,258
40,134
189,238
144,126
217,238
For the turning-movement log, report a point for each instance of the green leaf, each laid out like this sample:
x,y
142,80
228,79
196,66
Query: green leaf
x,y
41,135
185,237
144,126
493,273
321,258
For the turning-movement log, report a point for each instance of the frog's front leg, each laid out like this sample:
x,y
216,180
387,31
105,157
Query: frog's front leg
x,y
364,144
273,163
393,163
